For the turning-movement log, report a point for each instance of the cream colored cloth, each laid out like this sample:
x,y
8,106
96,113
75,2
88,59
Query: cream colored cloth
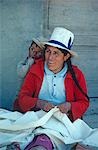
x,y
15,126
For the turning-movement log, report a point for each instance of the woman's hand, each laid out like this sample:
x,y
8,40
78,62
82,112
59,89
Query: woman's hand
x,y
65,107
44,105
48,106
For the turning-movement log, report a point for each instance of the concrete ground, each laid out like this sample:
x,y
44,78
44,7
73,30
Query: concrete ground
x,y
91,116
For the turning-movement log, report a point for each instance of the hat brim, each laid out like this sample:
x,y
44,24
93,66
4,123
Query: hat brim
x,y
40,44
59,46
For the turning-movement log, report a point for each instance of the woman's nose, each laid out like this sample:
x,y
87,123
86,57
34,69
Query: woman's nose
x,y
51,56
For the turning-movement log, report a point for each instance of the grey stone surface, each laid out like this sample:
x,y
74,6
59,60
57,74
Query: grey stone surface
x,y
91,116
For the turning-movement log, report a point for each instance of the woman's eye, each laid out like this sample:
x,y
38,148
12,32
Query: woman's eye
x,y
56,53
47,51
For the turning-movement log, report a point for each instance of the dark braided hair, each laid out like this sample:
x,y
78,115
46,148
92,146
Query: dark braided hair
x,y
71,70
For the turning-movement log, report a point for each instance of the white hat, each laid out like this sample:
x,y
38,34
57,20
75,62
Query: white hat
x,y
39,43
62,38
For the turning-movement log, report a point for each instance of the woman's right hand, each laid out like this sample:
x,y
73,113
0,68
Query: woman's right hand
x,y
44,105
48,106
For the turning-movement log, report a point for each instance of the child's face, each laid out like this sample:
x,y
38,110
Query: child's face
x,y
35,51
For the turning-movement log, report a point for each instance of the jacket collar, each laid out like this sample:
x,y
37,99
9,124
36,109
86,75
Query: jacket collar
x,y
38,69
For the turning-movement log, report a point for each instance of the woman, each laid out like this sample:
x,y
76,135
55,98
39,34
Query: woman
x,y
55,81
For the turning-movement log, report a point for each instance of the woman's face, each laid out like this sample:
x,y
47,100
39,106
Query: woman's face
x,y
55,59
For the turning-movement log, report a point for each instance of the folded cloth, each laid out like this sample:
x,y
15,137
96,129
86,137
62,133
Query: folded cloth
x,y
15,126
83,147
13,146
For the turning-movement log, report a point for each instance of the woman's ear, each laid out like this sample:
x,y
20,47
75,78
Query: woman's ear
x,y
67,56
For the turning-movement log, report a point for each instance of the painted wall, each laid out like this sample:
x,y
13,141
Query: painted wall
x,y
20,22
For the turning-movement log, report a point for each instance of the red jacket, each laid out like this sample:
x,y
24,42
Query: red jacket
x,y
28,95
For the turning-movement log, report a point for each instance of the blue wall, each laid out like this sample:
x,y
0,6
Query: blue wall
x,y
21,20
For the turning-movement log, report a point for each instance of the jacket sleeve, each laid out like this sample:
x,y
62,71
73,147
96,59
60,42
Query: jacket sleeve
x,y
23,67
80,103
26,98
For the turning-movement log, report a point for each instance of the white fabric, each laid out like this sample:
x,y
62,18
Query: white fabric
x,y
15,126
24,66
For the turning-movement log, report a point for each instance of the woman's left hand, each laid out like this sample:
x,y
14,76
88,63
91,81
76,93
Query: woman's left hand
x,y
65,107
